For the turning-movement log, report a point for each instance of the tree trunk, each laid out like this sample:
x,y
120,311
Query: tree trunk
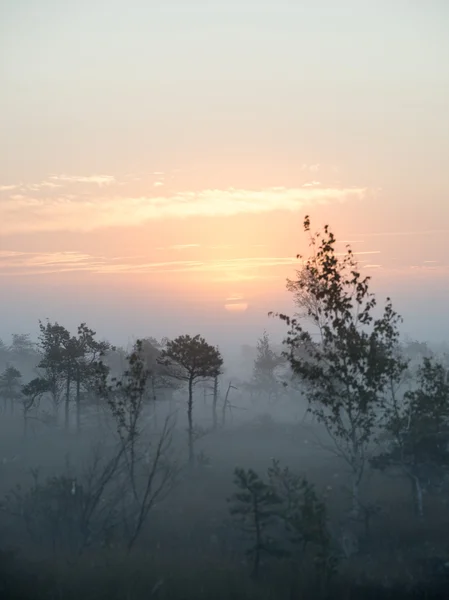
x,y
55,402
190,419
78,401
67,404
98,409
214,404
153,404
355,494
225,405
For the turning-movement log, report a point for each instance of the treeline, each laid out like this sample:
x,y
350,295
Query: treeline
x,y
383,404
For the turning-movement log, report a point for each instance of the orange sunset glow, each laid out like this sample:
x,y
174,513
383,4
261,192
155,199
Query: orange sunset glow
x,y
189,199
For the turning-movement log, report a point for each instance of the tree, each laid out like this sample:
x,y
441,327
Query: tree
x,y
417,426
54,365
307,302
347,372
285,518
22,353
83,359
71,362
227,406
126,397
32,392
10,386
305,519
116,360
160,381
4,354
22,346
215,403
150,473
265,366
255,505
191,359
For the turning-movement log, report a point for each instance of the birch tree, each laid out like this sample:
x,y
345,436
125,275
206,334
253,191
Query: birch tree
x,y
347,369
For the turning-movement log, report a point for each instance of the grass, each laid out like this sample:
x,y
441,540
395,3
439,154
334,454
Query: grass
x,y
189,550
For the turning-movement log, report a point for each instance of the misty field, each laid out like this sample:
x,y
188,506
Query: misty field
x,y
190,548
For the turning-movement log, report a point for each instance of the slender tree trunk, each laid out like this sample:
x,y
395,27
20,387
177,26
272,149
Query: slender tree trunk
x,y
190,419
214,404
225,406
55,400
98,409
355,493
78,402
25,424
154,406
67,404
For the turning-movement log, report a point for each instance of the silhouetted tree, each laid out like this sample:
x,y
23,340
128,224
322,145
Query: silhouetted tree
x,y
126,398
417,424
265,365
84,353
305,519
4,354
190,359
23,354
10,387
348,371
214,403
150,472
54,366
32,392
256,506
22,345
71,362
159,378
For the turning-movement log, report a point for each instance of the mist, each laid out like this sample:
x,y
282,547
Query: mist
x,y
310,456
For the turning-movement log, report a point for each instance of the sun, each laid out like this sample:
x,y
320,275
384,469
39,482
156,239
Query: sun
x,y
236,303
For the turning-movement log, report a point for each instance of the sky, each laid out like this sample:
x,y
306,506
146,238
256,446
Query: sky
x,y
157,159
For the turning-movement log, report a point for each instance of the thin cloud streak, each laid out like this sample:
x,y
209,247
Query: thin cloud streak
x,y
20,263
12,262
400,233
96,179
8,188
69,213
245,269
